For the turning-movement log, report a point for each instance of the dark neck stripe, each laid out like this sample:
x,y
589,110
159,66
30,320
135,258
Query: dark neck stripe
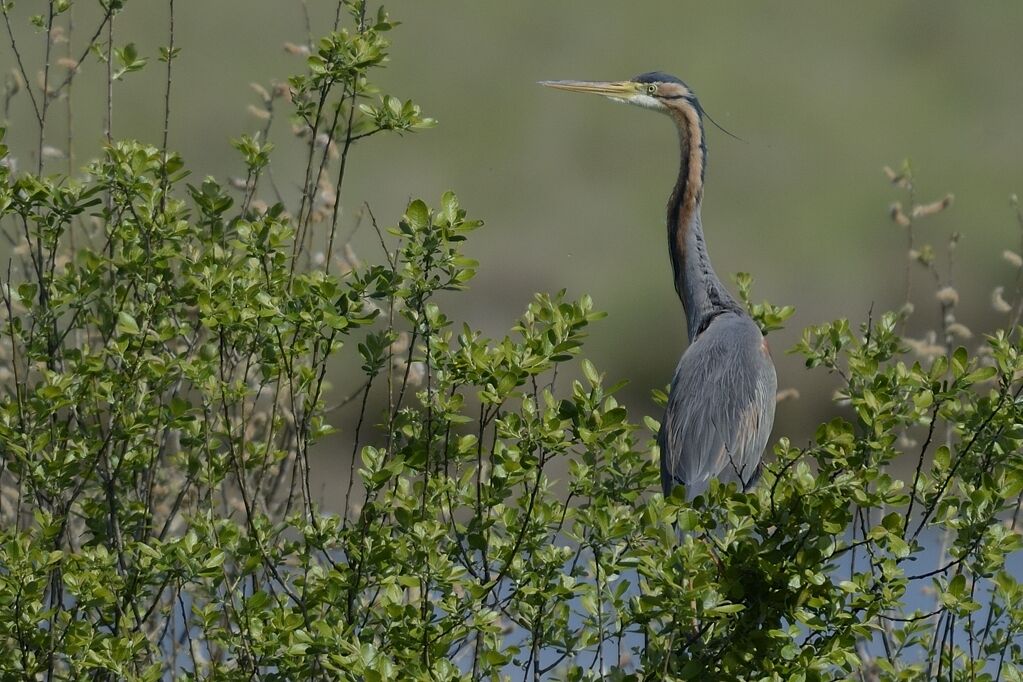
x,y
703,295
676,226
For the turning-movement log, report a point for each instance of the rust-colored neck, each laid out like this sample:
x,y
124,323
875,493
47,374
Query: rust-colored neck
x,y
702,294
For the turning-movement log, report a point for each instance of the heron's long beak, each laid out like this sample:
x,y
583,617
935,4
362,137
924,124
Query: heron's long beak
x,y
612,89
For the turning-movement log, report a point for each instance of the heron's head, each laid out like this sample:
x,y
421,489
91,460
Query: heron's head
x,y
654,90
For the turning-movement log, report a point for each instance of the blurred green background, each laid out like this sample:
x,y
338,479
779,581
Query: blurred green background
x,y
573,188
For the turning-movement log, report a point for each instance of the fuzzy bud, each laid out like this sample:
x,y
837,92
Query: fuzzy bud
x,y
925,348
258,112
924,210
900,180
897,215
1012,258
998,301
906,443
14,82
282,90
960,330
300,50
327,196
400,344
325,140
786,394
947,296
416,371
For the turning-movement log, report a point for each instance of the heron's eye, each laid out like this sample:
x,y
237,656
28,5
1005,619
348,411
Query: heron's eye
x,y
652,88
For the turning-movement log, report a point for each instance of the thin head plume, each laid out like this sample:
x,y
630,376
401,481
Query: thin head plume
x,y
717,125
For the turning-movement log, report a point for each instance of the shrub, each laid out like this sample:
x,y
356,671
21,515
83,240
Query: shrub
x,y
166,350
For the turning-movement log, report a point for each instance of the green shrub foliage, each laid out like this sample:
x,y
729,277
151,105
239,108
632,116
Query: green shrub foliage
x,y
165,350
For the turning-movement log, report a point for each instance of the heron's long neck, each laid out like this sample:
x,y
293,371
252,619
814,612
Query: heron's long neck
x,y
702,293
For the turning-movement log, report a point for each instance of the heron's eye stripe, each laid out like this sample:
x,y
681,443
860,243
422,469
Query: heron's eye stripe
x,y
673,96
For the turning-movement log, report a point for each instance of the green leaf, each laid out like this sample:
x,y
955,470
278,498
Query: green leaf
x,y
418,215
724,609
126,324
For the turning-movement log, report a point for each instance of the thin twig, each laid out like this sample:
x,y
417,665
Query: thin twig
x,y
164,179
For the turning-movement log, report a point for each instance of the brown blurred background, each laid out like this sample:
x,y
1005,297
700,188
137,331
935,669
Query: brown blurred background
x,y
573,188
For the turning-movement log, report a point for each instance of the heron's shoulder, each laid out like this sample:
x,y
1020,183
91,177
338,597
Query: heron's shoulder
x,y
732,325
730,342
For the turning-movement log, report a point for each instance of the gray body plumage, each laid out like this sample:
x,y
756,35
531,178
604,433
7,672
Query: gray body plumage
x,y
720,408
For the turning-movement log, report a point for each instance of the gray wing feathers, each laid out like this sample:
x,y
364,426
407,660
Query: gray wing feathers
x,y
720,409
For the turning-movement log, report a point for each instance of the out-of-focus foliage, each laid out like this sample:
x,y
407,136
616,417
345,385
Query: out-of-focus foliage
x,y
164,353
